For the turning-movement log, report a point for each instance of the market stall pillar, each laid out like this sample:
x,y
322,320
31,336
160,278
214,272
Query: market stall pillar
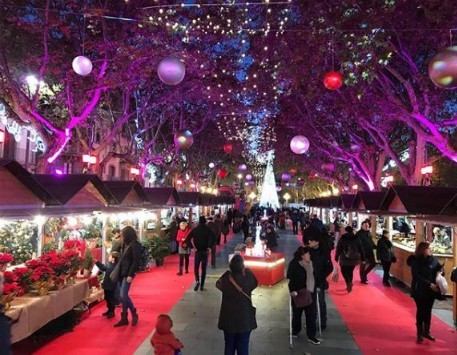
x,y
40,220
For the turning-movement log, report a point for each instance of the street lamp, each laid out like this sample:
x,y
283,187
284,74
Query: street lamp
x,y
286,197
252,196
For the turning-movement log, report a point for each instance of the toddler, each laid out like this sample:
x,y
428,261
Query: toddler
x,y
109,286
163,340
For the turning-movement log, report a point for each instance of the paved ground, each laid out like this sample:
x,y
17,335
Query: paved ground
x,y
195,317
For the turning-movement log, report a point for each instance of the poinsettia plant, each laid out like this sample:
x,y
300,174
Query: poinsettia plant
x,y
72,244
74,260
58,262
34,263
42,273
6,258
9,288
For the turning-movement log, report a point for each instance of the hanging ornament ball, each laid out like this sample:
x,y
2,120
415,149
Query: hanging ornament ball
x,y
184,139
286,177
228,148
278,188
82,65
171,71
242,167
333,80
299,144
222,173
293,171
442,69
248,177
211,165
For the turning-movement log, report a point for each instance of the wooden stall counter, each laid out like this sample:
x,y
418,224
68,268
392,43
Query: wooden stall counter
x,y
268,270
401,271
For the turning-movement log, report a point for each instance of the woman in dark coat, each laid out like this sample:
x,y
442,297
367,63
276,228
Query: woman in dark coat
x,y
237,315
129,263
245,227
349,253
271,238
424,269
300,273
385,252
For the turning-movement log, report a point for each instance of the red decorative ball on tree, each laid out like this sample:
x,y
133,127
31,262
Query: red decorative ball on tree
x,y
333,80
228,148
222,173
293,171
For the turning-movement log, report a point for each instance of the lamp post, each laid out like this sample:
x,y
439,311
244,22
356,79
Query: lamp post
x,y
286,197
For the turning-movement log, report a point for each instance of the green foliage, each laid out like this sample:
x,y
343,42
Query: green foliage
x,y
19,239
50,246
88,259
157,247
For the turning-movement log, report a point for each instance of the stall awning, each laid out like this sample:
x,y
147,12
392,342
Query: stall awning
x,y
77,190
368,200
346,201
162,196
190,198
19,190
425,200
127,193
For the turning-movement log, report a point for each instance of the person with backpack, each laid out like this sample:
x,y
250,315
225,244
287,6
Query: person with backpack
x,y
385,252
369,263
349,253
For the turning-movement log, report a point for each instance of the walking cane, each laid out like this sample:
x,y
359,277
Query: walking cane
x,y
291,345
319,326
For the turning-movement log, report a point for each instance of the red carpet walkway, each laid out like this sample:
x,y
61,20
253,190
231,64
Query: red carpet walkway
x,y
382,320
152,292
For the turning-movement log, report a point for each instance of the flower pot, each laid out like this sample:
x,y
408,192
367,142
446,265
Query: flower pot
x,y
71,280
42,287
86,273
159,262
5,301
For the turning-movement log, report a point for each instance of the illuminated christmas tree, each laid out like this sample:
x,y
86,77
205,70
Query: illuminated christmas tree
x,y
269,196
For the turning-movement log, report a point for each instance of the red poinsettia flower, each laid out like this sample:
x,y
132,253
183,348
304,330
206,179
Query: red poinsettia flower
x,y
42,273
72,244
34,263
6,258
10,288
10,277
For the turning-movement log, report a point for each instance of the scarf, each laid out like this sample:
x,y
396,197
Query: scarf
x,y
310,282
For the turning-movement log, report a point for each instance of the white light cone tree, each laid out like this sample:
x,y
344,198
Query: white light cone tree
x,y
269,196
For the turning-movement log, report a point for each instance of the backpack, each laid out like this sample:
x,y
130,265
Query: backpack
x,y
454,275
351,253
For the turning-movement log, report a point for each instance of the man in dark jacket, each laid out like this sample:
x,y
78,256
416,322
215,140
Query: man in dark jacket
x,y
5,334
368,248
309,232
202,239
323,267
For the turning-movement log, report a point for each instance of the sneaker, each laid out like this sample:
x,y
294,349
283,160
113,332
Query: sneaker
x,y
110,315
314,341
197,285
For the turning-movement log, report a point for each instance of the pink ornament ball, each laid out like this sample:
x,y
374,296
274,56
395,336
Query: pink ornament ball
x,y
171,71
442,69
183,139
242,167
299,144
82,65
333,80
248,177
286,177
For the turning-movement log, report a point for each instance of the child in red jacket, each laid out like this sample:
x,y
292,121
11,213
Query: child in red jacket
x,y
163,340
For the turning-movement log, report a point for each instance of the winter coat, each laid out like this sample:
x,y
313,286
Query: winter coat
x,y
107,284
367,243
311,231
424,271
201,237
322,265
116,245
296,274
130,259
236,314
385,250
226,227
181,239
271,239
349,241
163,340
5,333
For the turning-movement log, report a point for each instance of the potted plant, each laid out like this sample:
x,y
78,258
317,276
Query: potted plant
x,y
88,262
158,248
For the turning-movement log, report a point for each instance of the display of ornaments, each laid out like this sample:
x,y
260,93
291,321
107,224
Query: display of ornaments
x,y
442,69
333,80
183,139
228,148
299,144
242,167
171,71
82,65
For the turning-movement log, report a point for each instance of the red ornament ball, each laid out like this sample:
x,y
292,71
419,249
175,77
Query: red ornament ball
x,y
228,148
333,80
222,173
293,171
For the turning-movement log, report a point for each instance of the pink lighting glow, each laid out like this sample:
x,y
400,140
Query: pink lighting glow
x,y
2,136
59,172
135,171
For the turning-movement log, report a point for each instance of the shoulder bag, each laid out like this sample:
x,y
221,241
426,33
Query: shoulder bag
x,y
114,276
303,298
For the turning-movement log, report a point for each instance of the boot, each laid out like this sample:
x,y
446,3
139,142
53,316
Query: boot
x,y
123,321
134,317
419,334
426,333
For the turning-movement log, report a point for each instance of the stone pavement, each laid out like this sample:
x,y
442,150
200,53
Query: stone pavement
x,y
195,317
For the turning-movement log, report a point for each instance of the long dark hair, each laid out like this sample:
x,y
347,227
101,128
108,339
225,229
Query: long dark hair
x,y
128,235
236,264
301,251
421,248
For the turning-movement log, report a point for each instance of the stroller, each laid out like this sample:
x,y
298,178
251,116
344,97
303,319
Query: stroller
x,y
319,326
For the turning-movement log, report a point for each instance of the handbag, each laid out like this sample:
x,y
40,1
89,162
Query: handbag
x,y
441,282
253,310
303,298
114,276
335,275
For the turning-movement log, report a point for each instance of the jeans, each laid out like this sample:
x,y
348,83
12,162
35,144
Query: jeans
x,y
322,307
182,258
125,299
310,314
348,273
386,269
201,257
238,342
367,267
424,305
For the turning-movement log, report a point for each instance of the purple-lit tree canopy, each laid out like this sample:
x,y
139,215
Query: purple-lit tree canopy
x,y
253,77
